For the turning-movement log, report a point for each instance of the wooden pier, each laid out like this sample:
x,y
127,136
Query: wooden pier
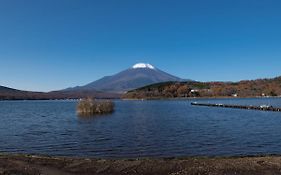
x,y
260,108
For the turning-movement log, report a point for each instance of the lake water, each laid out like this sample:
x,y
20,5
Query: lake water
x,y
140,129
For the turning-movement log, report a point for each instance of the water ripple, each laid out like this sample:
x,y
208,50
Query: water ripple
x,y
140,129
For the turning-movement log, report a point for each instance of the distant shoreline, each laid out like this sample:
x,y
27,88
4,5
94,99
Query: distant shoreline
x,y
141,99
190,98
49,165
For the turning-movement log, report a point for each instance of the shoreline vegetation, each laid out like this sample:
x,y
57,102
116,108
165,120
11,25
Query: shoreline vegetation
x,y
48,165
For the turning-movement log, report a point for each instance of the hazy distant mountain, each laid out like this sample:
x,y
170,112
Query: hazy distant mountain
x,y
4,89
7,93
14,94
139,75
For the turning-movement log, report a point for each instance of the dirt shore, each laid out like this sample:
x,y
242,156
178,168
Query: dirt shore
x,y
35,165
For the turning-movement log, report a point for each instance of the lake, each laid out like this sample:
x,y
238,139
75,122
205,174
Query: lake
x,y
161,128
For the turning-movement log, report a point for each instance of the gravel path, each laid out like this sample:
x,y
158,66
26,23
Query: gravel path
x,y
35,165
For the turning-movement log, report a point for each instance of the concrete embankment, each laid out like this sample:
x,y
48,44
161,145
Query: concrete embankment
x,y
33,165
261,108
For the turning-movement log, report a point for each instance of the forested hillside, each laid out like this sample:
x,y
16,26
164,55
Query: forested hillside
x,y
247,88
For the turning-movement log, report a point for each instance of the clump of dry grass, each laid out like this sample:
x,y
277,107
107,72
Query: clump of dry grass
x,y
90,106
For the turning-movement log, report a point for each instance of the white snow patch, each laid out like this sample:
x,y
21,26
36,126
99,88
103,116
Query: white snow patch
x,y
143,65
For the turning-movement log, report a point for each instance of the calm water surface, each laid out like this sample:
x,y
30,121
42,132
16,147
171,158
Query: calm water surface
x,y
140,129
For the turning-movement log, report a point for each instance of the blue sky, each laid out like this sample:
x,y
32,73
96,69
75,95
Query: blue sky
x,y
53,44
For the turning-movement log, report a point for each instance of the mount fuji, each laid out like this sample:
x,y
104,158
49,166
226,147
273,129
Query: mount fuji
x,y
137,76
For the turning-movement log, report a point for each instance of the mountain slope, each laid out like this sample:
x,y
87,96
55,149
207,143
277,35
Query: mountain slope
x,y
137,76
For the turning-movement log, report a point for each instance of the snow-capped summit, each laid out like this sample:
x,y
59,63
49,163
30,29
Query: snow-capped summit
x,y
143,65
